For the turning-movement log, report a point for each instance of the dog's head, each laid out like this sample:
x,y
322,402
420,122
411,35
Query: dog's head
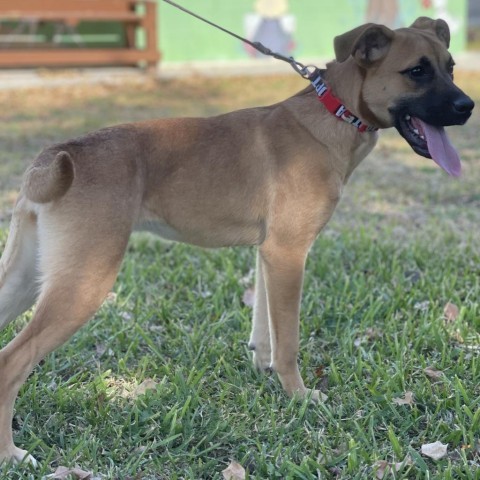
x,y
408,83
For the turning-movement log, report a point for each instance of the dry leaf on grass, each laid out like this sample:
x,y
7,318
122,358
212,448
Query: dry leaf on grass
x,y
234,471
384,468
146,385
369,335
450,312
433,373
407,400
249,297
64,473
436,450
320,371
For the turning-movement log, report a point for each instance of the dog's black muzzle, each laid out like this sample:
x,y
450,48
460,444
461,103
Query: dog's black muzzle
x,y
439,108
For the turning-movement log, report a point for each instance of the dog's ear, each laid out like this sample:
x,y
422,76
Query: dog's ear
x,y
367,44
439,27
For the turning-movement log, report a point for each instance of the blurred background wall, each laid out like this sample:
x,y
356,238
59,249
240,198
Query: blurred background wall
x,y
303,28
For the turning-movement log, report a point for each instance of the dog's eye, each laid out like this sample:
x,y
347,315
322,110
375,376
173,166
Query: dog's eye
x,y
417,72
421,72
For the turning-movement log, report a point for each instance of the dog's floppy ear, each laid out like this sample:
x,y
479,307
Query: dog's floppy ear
x,y
366,44
439,27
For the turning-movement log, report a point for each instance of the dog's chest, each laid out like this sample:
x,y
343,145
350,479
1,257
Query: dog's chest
x,y
360,152
161,229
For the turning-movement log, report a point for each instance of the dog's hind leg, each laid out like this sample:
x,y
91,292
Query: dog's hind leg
x,y
260,335
79,261
18,269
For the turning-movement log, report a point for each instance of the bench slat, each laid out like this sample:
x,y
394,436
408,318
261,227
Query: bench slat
x,y
69,5
87,16
84,56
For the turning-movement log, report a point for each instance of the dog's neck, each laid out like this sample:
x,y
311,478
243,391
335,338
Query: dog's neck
x,y
346,81
334,105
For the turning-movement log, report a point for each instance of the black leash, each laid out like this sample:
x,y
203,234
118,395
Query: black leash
x,y
301,69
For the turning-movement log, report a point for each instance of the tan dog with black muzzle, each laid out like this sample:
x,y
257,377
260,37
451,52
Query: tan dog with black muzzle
x,y
268,176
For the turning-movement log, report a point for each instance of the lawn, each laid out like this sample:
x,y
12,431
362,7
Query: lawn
x,y
159,385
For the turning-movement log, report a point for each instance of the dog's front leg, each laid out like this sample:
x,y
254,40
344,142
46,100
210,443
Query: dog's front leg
x,y
283,271
260,336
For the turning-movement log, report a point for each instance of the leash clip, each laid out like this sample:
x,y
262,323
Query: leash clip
x,y
306,71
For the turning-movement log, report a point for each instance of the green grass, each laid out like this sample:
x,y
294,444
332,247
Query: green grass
x,y
403,243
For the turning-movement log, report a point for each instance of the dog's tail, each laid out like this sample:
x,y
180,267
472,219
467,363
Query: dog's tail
x,y
49,179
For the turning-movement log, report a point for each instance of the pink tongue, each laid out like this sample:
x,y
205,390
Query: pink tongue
x,y
440,148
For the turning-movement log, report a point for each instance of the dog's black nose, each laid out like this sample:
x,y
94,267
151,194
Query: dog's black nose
x,y
463,104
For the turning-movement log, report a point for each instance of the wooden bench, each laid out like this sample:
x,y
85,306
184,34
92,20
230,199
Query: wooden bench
x,y
32,14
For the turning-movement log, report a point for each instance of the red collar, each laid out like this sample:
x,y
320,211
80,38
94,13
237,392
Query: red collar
x,y
334,105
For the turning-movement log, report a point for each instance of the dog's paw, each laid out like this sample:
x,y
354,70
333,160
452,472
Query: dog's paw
x,y
262,357
315,396
16,455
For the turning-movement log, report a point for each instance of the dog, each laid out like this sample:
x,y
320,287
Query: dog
x,y
268,177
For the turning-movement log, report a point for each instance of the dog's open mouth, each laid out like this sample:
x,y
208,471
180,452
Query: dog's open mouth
x,y
430,141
